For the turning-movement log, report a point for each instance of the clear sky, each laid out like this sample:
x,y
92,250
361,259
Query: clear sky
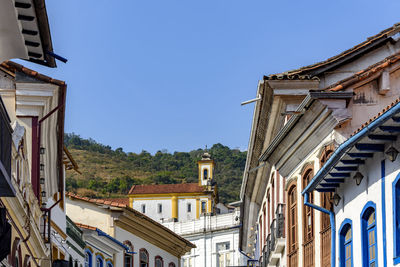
x,y
170,74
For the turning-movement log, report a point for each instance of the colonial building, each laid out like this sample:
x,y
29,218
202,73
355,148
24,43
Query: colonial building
x,y
300,118
35,104
178,202
216,238
137,239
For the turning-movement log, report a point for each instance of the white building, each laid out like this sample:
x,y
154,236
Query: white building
x,y
216,239
145,242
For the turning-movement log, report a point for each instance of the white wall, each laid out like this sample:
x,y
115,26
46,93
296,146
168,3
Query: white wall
x,y
152,208
138,243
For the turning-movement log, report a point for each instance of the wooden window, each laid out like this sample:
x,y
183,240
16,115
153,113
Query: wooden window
x,y
158,261
144,258
268,212
346,244
265,224
308,223
54,253
189,207
396,219
203,206
325,198
128,257
88,258
260,227
292,226
273,195
368,238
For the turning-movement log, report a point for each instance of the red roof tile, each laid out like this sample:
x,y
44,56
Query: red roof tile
x,y
110,202
85,226
303,73
166,188
377,116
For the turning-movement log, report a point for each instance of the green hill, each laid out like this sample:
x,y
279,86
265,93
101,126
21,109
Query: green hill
x,y
111,173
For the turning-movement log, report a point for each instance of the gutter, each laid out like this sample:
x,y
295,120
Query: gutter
x,y
344,147
101,233
333,226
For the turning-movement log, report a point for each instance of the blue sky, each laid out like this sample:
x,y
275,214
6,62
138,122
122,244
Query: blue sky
x,y
152,75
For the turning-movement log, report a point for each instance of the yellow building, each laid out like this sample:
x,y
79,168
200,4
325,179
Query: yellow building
x,y
178,202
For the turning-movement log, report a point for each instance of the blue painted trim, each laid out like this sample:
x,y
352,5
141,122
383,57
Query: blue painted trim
x,y
101,260
90,258
109,262
383,196
396,231
333,227
342,231
343,148
364,238
101,233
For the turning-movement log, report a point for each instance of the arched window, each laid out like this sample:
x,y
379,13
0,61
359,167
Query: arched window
x,y
368,235
205,174
171,264
325,198
99,261
128,258
308,223
158,262
292,225
16,257
70,261
27,262
109,263
144,257
346,244
88,258
396,219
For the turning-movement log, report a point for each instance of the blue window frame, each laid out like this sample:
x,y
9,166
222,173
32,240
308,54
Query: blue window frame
x,y
99,261
368,234
109,263
396,219
88,258
346,244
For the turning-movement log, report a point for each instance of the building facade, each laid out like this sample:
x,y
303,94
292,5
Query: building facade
x,y
178,202
138,240
301,118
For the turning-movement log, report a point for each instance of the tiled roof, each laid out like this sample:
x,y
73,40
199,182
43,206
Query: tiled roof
x,y
166,188
121,201
377,116
108,202
365,73
13,67
85,226
120,205
303,72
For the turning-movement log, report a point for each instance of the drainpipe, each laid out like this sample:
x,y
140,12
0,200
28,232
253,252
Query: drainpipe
x,y
333,227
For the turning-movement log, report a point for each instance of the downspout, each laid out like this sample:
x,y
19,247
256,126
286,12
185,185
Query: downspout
x,y
333,227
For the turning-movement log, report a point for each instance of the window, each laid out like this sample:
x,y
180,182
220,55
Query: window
x,y
292,225
88,258
143,208
188,262
144,258
224,254
159,208
368,232
346,244
128,257
396,219
189,207
205,174
171,264
308,222
203,206
109,263
158,262
99,261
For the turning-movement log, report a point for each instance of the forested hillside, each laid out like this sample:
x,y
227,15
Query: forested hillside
x,y
111,173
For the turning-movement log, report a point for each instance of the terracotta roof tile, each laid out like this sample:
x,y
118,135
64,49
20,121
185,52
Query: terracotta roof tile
x,y
303,72
365,73
377,116
13,67
166,188
122,205
85,226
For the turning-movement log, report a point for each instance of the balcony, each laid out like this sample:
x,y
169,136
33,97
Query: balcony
x,y
275,243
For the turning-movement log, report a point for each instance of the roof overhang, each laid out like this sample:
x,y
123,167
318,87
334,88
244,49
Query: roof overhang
x,y
349,155
25,32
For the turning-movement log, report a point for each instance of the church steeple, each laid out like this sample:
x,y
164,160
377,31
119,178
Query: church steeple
x,y
206,168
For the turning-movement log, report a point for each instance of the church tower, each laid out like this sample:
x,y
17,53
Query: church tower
x,y
206,169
